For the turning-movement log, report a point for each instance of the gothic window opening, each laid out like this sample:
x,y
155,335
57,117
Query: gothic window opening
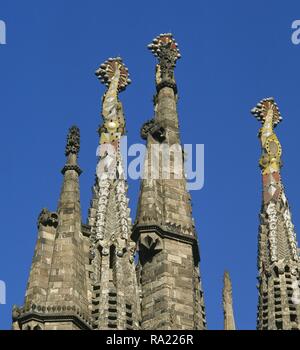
x,y
113,265
112,310
129,321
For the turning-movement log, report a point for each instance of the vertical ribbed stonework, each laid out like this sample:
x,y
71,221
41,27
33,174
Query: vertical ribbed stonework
x,y
278,259
172,296
229,323
56,296
115,296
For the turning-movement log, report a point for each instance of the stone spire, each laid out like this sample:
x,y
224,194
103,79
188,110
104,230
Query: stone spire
x,y
172,297
229,323
56,296
278,259
115,296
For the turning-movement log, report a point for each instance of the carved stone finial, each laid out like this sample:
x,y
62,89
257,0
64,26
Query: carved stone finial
x,y
47,218
165,48
73,141
107,71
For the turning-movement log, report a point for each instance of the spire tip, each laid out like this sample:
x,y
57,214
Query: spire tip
x,y
165,43
73,141
107,70
262,109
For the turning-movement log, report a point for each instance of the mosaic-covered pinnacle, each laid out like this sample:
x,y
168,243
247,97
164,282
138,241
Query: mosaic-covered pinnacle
x,y
264,107
108,69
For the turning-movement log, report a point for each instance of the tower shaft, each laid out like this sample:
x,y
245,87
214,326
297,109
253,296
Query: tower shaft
x,y
56,296
115,296
172,297
278,259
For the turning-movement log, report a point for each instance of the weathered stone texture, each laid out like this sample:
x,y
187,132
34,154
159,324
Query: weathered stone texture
x,y
171,289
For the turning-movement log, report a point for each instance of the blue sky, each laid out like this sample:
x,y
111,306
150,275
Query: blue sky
x,y
234,53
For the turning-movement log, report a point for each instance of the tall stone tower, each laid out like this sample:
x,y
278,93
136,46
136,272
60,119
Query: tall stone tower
x,y
278,259
169,277
115,294
57,290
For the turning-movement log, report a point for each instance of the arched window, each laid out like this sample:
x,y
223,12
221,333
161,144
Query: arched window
x,y
113,264
37,328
